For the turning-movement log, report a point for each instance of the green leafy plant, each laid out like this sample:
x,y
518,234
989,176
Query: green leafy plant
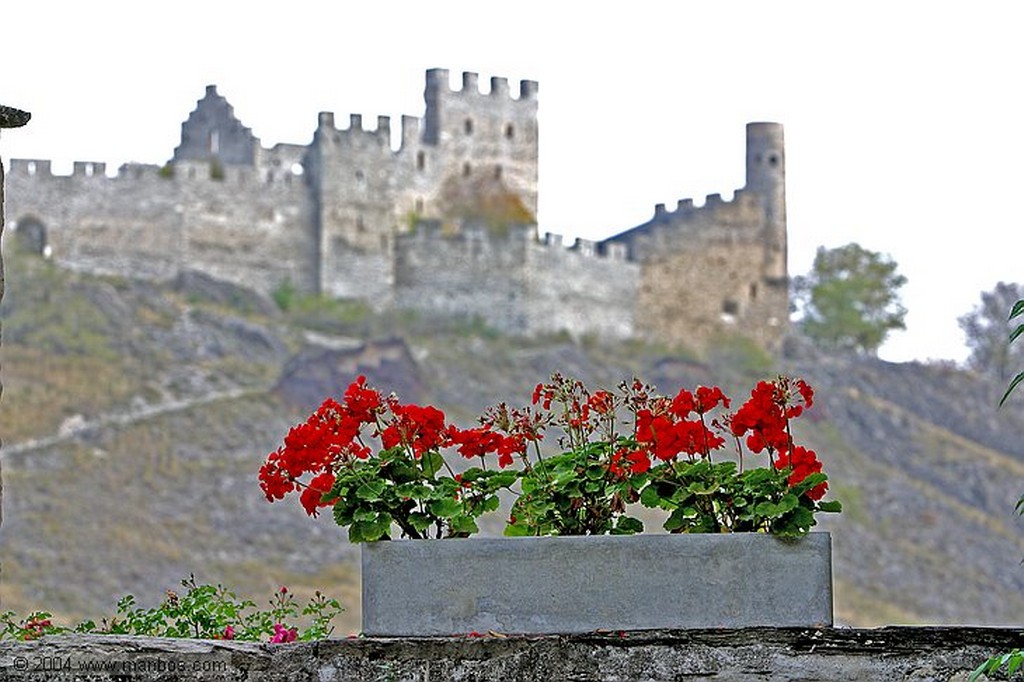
x,y
663,457
1015,312
202,612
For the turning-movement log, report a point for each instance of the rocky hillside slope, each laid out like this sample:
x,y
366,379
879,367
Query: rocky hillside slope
x,y
135,416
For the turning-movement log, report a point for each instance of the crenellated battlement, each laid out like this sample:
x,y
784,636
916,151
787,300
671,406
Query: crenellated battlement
x,y
685,208
27,172
355,133
438,80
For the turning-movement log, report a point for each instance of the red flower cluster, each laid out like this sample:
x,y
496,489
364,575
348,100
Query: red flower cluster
x,y
334,435
765,417
804,463
672,432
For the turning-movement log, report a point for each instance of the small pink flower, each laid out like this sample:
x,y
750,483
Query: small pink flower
x,y
283,635
229,633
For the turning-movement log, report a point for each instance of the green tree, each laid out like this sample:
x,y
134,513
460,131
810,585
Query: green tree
x,y
850,299
986,329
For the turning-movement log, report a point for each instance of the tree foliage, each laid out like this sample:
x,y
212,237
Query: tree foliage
x,y
850,299
987,329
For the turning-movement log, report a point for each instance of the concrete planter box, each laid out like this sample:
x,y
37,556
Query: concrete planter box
x,y
581,584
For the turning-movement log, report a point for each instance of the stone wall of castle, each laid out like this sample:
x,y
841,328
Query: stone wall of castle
x,y
141,223
339,217
515,282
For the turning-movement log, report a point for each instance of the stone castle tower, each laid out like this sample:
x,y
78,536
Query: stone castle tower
x,y
445,223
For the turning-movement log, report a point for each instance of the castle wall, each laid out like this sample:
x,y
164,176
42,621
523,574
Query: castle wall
x,y
472,273
691,296
704,273
144,224
579,290
516,283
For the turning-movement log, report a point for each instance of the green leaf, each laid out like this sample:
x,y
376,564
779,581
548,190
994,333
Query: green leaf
x,y
364,514
463,523
504,479
1013,384
431,462
420,521
627,525
1017,310
371,491
516,530
788,502
830,506
404,474
445,508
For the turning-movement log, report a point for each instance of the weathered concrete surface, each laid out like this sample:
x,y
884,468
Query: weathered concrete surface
x,y
765,654
539,585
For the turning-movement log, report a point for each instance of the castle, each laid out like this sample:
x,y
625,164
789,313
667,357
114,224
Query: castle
x,y
445,224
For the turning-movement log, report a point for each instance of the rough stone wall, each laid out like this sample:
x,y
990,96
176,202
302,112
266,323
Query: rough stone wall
x,y
766,654
515,282
240,228
580,290
472,273
703,275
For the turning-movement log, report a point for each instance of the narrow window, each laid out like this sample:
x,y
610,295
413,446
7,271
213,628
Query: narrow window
x,y
214,141
510,131
421,160
31,167
359,175
753,291
465,169
730,307
468,126
497,172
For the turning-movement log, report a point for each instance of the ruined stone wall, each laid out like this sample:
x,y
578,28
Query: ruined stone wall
x,y
515,282
472,273
142,223
703,273
580,290
938,654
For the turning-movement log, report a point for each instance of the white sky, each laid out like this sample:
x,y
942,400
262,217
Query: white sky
x,y
903,119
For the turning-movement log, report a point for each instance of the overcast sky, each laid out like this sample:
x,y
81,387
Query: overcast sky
x,y
903,120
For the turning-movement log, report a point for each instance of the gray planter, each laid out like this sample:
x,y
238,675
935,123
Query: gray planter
x,y
581,584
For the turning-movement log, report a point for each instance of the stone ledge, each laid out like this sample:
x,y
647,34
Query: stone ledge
x,y
766,654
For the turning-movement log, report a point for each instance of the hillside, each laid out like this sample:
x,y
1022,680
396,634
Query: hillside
x,y
135,416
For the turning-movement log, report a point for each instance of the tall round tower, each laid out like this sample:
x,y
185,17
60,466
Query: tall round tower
x,y
766,176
